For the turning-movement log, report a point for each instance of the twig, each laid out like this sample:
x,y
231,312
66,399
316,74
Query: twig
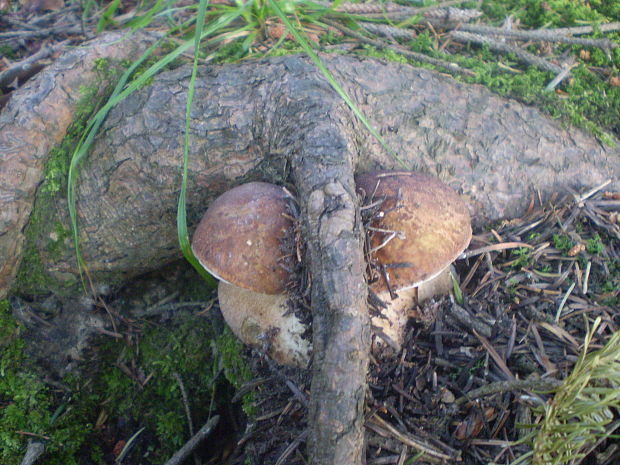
x,y
188,413
386,30
450,67
585,196
470,322
412,441
493,248
450,17
194,442
391,10
527,57
291,448
548,35
65,29
543,384
575,31
494,355
560,77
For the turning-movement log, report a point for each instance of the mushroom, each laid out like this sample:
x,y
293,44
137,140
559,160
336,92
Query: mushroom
x,y
239,242
419,226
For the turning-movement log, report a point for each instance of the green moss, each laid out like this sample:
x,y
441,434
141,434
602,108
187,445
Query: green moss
x,y
26,404
586,100
562,242
235,367
522,257
595,245
7,51
133,381
48,230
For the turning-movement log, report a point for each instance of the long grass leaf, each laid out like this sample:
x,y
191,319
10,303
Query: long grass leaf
x,y
181,209
296,33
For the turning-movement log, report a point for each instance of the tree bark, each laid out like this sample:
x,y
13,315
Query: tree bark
x,y
278,120
497,153
36,119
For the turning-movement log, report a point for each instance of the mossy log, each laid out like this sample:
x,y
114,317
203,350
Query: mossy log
x,y
278,120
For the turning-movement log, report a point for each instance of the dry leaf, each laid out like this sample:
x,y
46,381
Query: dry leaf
x,y
42,5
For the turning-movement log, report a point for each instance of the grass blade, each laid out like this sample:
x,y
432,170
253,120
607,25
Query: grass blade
x,y
184,241
335,85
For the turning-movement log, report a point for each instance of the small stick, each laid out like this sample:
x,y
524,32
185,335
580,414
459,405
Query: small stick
x,y
21,67
291,448
188,414
194,442
586,277
564,299
34,450
548,35
411,441
493,248
41,32
575,31
543,384
560,77
450,67
591,192
524,56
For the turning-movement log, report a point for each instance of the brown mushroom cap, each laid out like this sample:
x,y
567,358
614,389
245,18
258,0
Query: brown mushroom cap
x,y
239,238
432,223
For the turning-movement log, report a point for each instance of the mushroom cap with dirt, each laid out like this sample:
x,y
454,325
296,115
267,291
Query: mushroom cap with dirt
x,y
418,227
239,241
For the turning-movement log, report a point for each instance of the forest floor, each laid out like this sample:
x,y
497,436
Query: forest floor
x,y
161,362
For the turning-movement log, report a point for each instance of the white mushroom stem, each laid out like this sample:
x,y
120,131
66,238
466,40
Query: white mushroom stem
x,y
263,321
266,323
393,319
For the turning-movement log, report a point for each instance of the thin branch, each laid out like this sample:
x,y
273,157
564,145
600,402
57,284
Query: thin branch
x,y
524,56
26,65
412,441
575,31
65,29
549,35
194,442
34,450
543,384
450,67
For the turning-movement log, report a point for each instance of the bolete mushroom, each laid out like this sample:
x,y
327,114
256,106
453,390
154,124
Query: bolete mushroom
x,y
419,226
239,242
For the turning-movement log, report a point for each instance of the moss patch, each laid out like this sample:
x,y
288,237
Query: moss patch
x,y
129,384
48,230
587,100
